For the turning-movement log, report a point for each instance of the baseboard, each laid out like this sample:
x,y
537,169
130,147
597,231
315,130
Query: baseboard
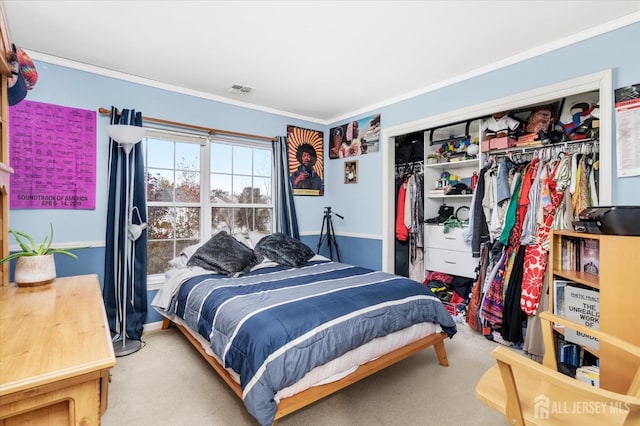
x,y
152,326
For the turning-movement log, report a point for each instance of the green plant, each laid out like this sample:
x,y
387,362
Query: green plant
x,y
29,247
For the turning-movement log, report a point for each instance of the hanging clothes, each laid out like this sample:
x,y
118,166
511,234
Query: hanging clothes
x,y
541,200
513,315
493,302
530,226
416,185
401,252
533,340
402,233
478,232
416,226
472,317
580,198
536,255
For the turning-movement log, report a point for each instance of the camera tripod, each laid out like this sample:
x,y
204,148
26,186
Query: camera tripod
x,y
329,236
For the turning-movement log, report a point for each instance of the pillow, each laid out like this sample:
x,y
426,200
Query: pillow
x,y
284,250
224,254
249,239
186,253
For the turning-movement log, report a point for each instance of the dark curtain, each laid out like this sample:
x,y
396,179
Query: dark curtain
x,y
285,214
125,289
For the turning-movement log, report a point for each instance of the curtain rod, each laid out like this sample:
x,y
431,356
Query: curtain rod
x,y
209,130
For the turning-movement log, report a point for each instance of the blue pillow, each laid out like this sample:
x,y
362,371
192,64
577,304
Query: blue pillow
x,y
284,250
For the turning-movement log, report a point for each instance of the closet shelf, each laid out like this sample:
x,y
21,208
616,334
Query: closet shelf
x,y
538,146
453,165
449,196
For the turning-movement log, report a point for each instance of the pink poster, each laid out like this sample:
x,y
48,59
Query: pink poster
x,y
52,150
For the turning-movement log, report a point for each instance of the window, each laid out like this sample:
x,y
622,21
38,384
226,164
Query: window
x,y
197,186
240,182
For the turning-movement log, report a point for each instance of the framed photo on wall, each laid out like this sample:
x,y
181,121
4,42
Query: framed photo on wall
x,y
306,160
357,137
351,171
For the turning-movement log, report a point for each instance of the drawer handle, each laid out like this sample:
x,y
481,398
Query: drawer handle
x,y
450,238
450,262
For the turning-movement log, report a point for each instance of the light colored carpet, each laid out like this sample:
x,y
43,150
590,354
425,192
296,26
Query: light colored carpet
x,y
168,383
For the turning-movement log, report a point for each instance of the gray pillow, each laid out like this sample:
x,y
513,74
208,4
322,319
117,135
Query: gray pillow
x,y
224,254
284,250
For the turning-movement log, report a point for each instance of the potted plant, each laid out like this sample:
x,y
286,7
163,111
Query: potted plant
x,y
35,264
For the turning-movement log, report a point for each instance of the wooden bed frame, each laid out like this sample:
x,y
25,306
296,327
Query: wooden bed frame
x,y
315,393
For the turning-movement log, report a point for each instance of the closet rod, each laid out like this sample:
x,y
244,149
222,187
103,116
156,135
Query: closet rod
x,y
528,149
211,131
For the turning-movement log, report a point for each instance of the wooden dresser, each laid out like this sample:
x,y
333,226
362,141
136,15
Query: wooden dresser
x,y
55,353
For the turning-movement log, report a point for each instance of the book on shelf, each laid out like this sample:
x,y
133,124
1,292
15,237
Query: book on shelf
x,y
589,374
574,361
570,256
570,354
559,304
580,255
582,306
589,256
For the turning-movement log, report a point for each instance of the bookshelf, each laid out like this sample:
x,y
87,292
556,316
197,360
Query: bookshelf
x,y
608,300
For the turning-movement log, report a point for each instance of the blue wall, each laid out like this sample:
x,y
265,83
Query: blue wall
x,y
361,203
359,233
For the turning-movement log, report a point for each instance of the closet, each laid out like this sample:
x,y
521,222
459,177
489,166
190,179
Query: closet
x,y
527,189
576,131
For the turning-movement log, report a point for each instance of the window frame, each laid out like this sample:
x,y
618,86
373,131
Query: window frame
x,y
154,281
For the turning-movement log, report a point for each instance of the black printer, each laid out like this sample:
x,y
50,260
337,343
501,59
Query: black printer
x,y
610,220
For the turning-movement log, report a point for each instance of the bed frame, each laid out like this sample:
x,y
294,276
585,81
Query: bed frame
x,y
315,393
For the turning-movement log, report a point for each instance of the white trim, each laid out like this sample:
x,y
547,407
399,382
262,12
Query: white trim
x,y
152,326
343,234
55,60
154,282
523,56
601,81
528,54
67,246
176,135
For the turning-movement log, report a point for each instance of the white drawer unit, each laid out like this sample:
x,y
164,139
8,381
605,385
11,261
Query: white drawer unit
x,y
448,253
435,237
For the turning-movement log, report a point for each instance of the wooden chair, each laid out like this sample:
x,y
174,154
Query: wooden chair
x,y
529,393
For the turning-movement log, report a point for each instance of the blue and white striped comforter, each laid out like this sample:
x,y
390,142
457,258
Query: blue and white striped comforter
x,y
273,325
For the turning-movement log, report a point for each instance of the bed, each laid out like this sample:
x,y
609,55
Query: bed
x,y
284,333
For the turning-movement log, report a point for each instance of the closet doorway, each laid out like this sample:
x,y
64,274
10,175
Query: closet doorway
x,y
601,82
409,205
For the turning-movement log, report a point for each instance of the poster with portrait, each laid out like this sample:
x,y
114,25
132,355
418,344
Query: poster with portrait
x,y
356,137
306,160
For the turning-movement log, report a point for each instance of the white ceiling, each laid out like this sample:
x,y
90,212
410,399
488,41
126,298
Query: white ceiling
x,y
320,60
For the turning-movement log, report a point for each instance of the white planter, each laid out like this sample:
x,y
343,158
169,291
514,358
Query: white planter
x,y
35,270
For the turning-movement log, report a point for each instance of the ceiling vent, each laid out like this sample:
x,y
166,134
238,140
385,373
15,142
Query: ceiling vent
x,y
238,89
